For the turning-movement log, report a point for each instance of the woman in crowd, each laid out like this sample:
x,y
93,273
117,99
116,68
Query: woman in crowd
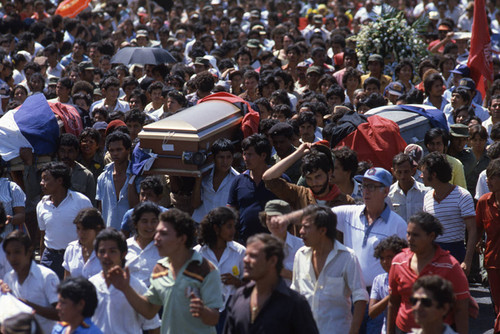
x,y
216,243
424,257
142,254
404,74
80,258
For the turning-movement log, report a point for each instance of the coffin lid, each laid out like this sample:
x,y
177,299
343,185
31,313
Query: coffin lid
x,y
198,118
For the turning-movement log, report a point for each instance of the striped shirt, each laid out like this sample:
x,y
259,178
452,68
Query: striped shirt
x,y
11,196
451,212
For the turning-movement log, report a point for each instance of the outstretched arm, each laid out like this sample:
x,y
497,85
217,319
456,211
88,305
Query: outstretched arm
x,y
121,280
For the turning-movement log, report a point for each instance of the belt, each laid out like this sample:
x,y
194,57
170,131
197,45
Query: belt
x,y
58,251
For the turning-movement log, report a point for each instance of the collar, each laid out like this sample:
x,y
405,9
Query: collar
x,y
281,288
384,215
330,196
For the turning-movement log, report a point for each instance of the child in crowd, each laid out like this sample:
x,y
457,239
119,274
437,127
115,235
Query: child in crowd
x,y
379,295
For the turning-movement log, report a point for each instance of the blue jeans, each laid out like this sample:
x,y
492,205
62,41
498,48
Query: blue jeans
x,y
53,260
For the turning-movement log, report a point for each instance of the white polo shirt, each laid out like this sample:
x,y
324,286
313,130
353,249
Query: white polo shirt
x,y
231,262
57,222
74,263
363,238
481,186
113,314
329,295
121,106
409,204
140,261
40,287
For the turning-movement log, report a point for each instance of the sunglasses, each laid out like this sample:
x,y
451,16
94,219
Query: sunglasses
x,y
426,302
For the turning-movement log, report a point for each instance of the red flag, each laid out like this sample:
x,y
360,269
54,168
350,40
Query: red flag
x,y
480,61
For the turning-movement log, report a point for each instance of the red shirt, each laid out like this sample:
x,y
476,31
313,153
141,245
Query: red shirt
x,y
401,279
488,219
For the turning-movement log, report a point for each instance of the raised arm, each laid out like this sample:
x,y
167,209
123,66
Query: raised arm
x,y
278,169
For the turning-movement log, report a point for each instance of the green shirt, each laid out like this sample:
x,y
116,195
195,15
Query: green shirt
x,y
198,275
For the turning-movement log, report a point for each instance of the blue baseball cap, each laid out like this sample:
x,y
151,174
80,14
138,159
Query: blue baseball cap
x,y
376,174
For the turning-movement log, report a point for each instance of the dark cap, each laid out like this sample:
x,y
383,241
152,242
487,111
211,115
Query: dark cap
x,y
277,207
202,61
467,83
253,43
395,88
86,65
255,13
314,69
459,130
376,57
141,33
461,69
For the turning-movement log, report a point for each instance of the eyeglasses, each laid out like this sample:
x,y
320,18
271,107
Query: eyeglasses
x,y
425,302
371,187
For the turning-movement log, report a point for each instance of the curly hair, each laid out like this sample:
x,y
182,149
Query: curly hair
x,y
393,243
216,217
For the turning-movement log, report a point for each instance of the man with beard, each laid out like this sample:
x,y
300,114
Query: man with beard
x,y
317,169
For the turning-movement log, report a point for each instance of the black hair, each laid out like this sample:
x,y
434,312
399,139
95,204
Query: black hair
x,y
135,115
58,170
400,159
429,81
119,136
282,109
393,243
436,162
69,139
204,81
3,218
90,219
112,234
315,160
79,288
307,117
110,82
143,208
155,85
216,217
260,144
347,158
153,183
22,323
493,151
182,223
436,133
222,145
18,236
336,90
322,217
371,81
92,133
427,222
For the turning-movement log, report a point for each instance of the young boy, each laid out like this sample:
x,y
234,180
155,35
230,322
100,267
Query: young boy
x,y
155,96
135,120
110,90
33,284
379,297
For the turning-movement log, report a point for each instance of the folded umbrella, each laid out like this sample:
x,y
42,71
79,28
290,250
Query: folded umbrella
x,y
141,55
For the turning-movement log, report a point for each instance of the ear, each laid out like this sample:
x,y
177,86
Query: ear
x,y
80,305
322,230
271,262
393,171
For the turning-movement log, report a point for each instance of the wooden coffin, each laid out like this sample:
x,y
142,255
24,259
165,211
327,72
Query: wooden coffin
x,y
182,141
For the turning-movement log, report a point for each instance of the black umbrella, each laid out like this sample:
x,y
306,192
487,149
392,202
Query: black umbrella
x,y
152,56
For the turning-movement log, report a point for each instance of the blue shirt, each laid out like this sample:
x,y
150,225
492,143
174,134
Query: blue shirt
x,y
113,210
87,327
250,199
127,219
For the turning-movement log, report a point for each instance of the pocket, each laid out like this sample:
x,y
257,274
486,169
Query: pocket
x,y
334,286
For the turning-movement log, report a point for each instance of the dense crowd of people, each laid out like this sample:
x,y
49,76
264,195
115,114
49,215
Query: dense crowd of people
x,y
289,231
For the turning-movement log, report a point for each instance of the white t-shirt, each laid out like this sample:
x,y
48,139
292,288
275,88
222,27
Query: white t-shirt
x,y
74,263
40,287
481,186
114,315
451,212
140,261
57,222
